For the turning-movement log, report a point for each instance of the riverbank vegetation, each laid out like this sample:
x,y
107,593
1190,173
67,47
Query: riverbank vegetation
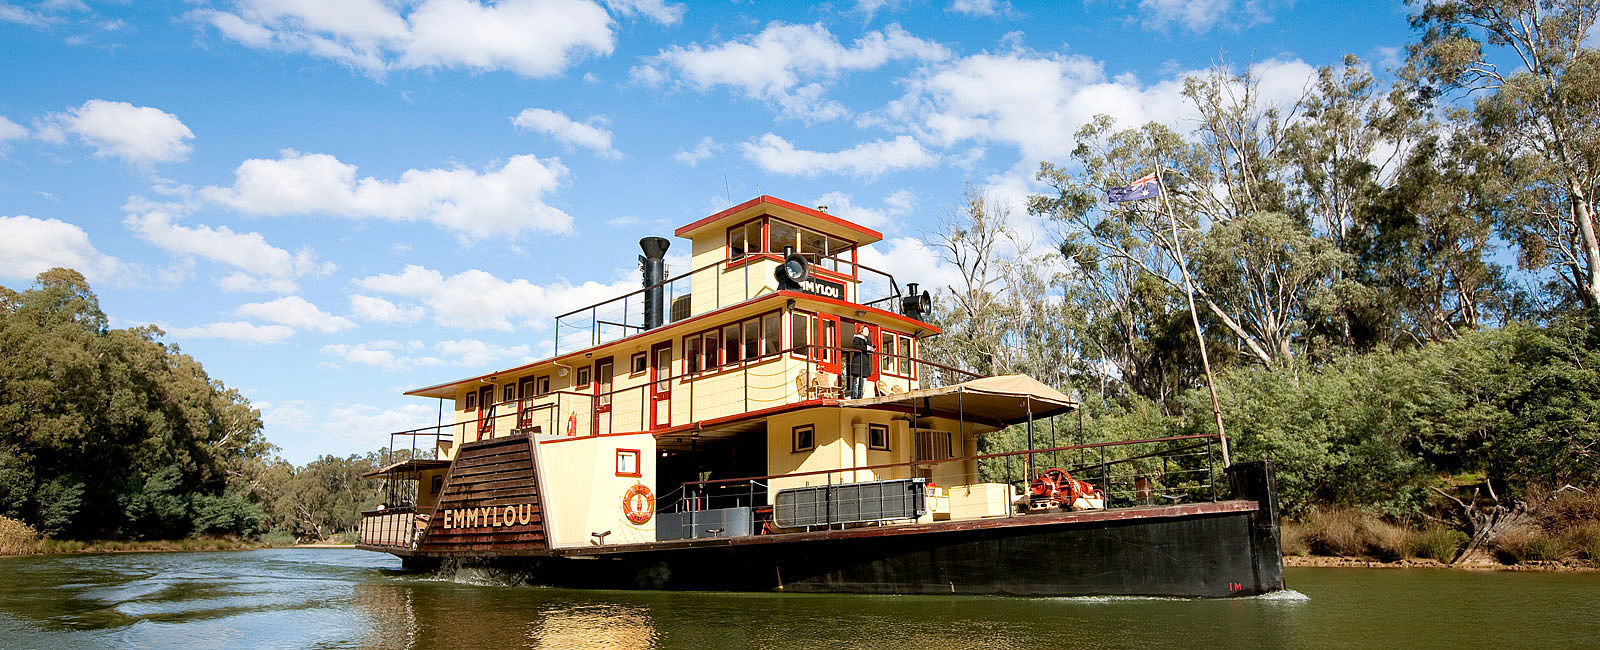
x,y
110,434
1395,272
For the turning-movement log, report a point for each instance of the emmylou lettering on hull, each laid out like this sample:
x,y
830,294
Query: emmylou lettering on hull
x,y
488,517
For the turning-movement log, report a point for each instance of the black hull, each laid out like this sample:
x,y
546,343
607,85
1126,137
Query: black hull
x,y
1169,552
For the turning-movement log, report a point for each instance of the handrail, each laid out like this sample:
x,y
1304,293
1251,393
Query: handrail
x,y
1043,450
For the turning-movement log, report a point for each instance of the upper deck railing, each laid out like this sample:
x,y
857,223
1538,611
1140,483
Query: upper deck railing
x,y
723,283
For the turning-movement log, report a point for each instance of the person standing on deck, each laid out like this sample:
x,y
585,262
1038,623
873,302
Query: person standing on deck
x,y
860,363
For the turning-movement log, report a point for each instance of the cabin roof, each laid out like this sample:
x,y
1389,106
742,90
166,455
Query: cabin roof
x,y
801,215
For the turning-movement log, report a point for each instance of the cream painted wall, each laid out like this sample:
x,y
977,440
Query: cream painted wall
x,y
583,494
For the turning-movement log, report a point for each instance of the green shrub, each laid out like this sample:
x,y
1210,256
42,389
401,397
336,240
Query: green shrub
x,y
279,537
1439,542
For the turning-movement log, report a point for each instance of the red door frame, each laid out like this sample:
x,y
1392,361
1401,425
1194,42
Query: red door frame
x,y
660,385
873,333
602,403
485,411
827,354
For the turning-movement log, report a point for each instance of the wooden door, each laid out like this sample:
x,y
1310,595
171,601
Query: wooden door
x,y
486,412
603,372
661,385
827,343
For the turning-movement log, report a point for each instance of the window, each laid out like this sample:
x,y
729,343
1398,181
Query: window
x,y
771,334
472,401
736,244
878,437
730,344
602,375
805,438
691,352
583,377
933,445
511,393
640,362
799,333
711,346
438,484
752,338
783,235
886,347
905,356
628,462
744,238
542,387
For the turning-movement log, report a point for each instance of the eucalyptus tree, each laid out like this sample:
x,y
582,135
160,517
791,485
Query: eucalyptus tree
x,y
1536,85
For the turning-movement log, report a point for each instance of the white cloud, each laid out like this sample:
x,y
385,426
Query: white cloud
x,y
465,353
378,354
910,260
378,310
788,64
980,7
775,154
10,130
29,246
665,13
293,414
234,331
265,267
507,200
567,131
295,312
843,205
533,38
140,135
369,423
701,151
1199,16
473,353
11,13
474,299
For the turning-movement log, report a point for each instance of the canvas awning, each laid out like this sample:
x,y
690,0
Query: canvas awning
x,y
1006,399
408,467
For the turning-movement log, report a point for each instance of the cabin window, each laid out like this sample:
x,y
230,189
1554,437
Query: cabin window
x,y
800,333
905,356
639,363
691,353
771,334
752,338
472,401
437,485
878,437
510,393
805,438
542,386
628,463
602,374
933,445
730,344
886,346
711,348
583,377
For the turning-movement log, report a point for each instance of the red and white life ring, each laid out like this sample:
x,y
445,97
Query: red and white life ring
x,y
638,504
572,424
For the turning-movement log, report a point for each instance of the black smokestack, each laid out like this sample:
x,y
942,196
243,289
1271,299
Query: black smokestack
x,y
654,265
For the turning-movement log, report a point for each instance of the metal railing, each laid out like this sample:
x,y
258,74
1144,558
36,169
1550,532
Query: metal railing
x,y
623,316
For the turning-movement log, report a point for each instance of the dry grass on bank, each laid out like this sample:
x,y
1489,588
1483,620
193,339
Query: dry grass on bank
x,y
1567,528
17,538
1345,532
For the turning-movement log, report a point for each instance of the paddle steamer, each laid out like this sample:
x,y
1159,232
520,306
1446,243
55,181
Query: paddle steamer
x,y
766,421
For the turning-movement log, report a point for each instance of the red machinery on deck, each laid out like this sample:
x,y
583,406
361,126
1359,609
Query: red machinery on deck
x,y
1056,489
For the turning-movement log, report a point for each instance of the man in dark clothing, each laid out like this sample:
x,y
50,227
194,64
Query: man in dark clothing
x,y
859,365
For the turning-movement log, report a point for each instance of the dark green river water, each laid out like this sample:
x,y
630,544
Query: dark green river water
x,y
309,598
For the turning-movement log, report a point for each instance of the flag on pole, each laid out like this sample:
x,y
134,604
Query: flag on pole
x,y
1144,188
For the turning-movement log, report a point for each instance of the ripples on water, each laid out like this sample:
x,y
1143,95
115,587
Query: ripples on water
x,y
311,598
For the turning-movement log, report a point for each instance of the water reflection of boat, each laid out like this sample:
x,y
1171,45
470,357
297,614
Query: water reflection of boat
x,y
765,422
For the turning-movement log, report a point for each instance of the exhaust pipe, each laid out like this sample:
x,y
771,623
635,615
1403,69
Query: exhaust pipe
x,y
654,265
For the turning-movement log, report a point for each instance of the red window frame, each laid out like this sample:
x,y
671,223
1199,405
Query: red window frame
x,y
638,467
698,342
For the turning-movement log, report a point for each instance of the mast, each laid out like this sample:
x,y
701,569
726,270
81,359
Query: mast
x,y
1188,292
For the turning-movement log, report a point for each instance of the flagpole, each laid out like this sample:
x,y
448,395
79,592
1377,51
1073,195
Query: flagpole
x,y
1188,292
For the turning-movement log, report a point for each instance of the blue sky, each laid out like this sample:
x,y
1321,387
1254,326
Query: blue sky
x,y
328,202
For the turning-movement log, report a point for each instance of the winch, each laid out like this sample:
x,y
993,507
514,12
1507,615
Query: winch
x,y
1056,489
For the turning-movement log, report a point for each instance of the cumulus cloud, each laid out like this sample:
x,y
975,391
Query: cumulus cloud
x,y
474,299
464,353
532,38
701,151
908,259
567,131
508,200
241,331
660,11
786,64
29,246
369,423
140,135
843,205
980,7
868,159
378,310
295,312
262,266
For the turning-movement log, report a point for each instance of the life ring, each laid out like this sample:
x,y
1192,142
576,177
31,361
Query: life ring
x,y
638,504
572,424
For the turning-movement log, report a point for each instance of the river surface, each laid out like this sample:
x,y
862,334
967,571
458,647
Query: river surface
x,y
334,598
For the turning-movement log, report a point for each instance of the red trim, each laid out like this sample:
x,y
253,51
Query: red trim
x,y
764,199
595,435
638,464
760,413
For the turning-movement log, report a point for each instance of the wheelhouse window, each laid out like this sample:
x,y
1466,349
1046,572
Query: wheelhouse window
x,y
878,437
805,438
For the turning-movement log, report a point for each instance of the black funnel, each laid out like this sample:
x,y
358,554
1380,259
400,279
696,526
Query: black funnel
x,y
654,265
